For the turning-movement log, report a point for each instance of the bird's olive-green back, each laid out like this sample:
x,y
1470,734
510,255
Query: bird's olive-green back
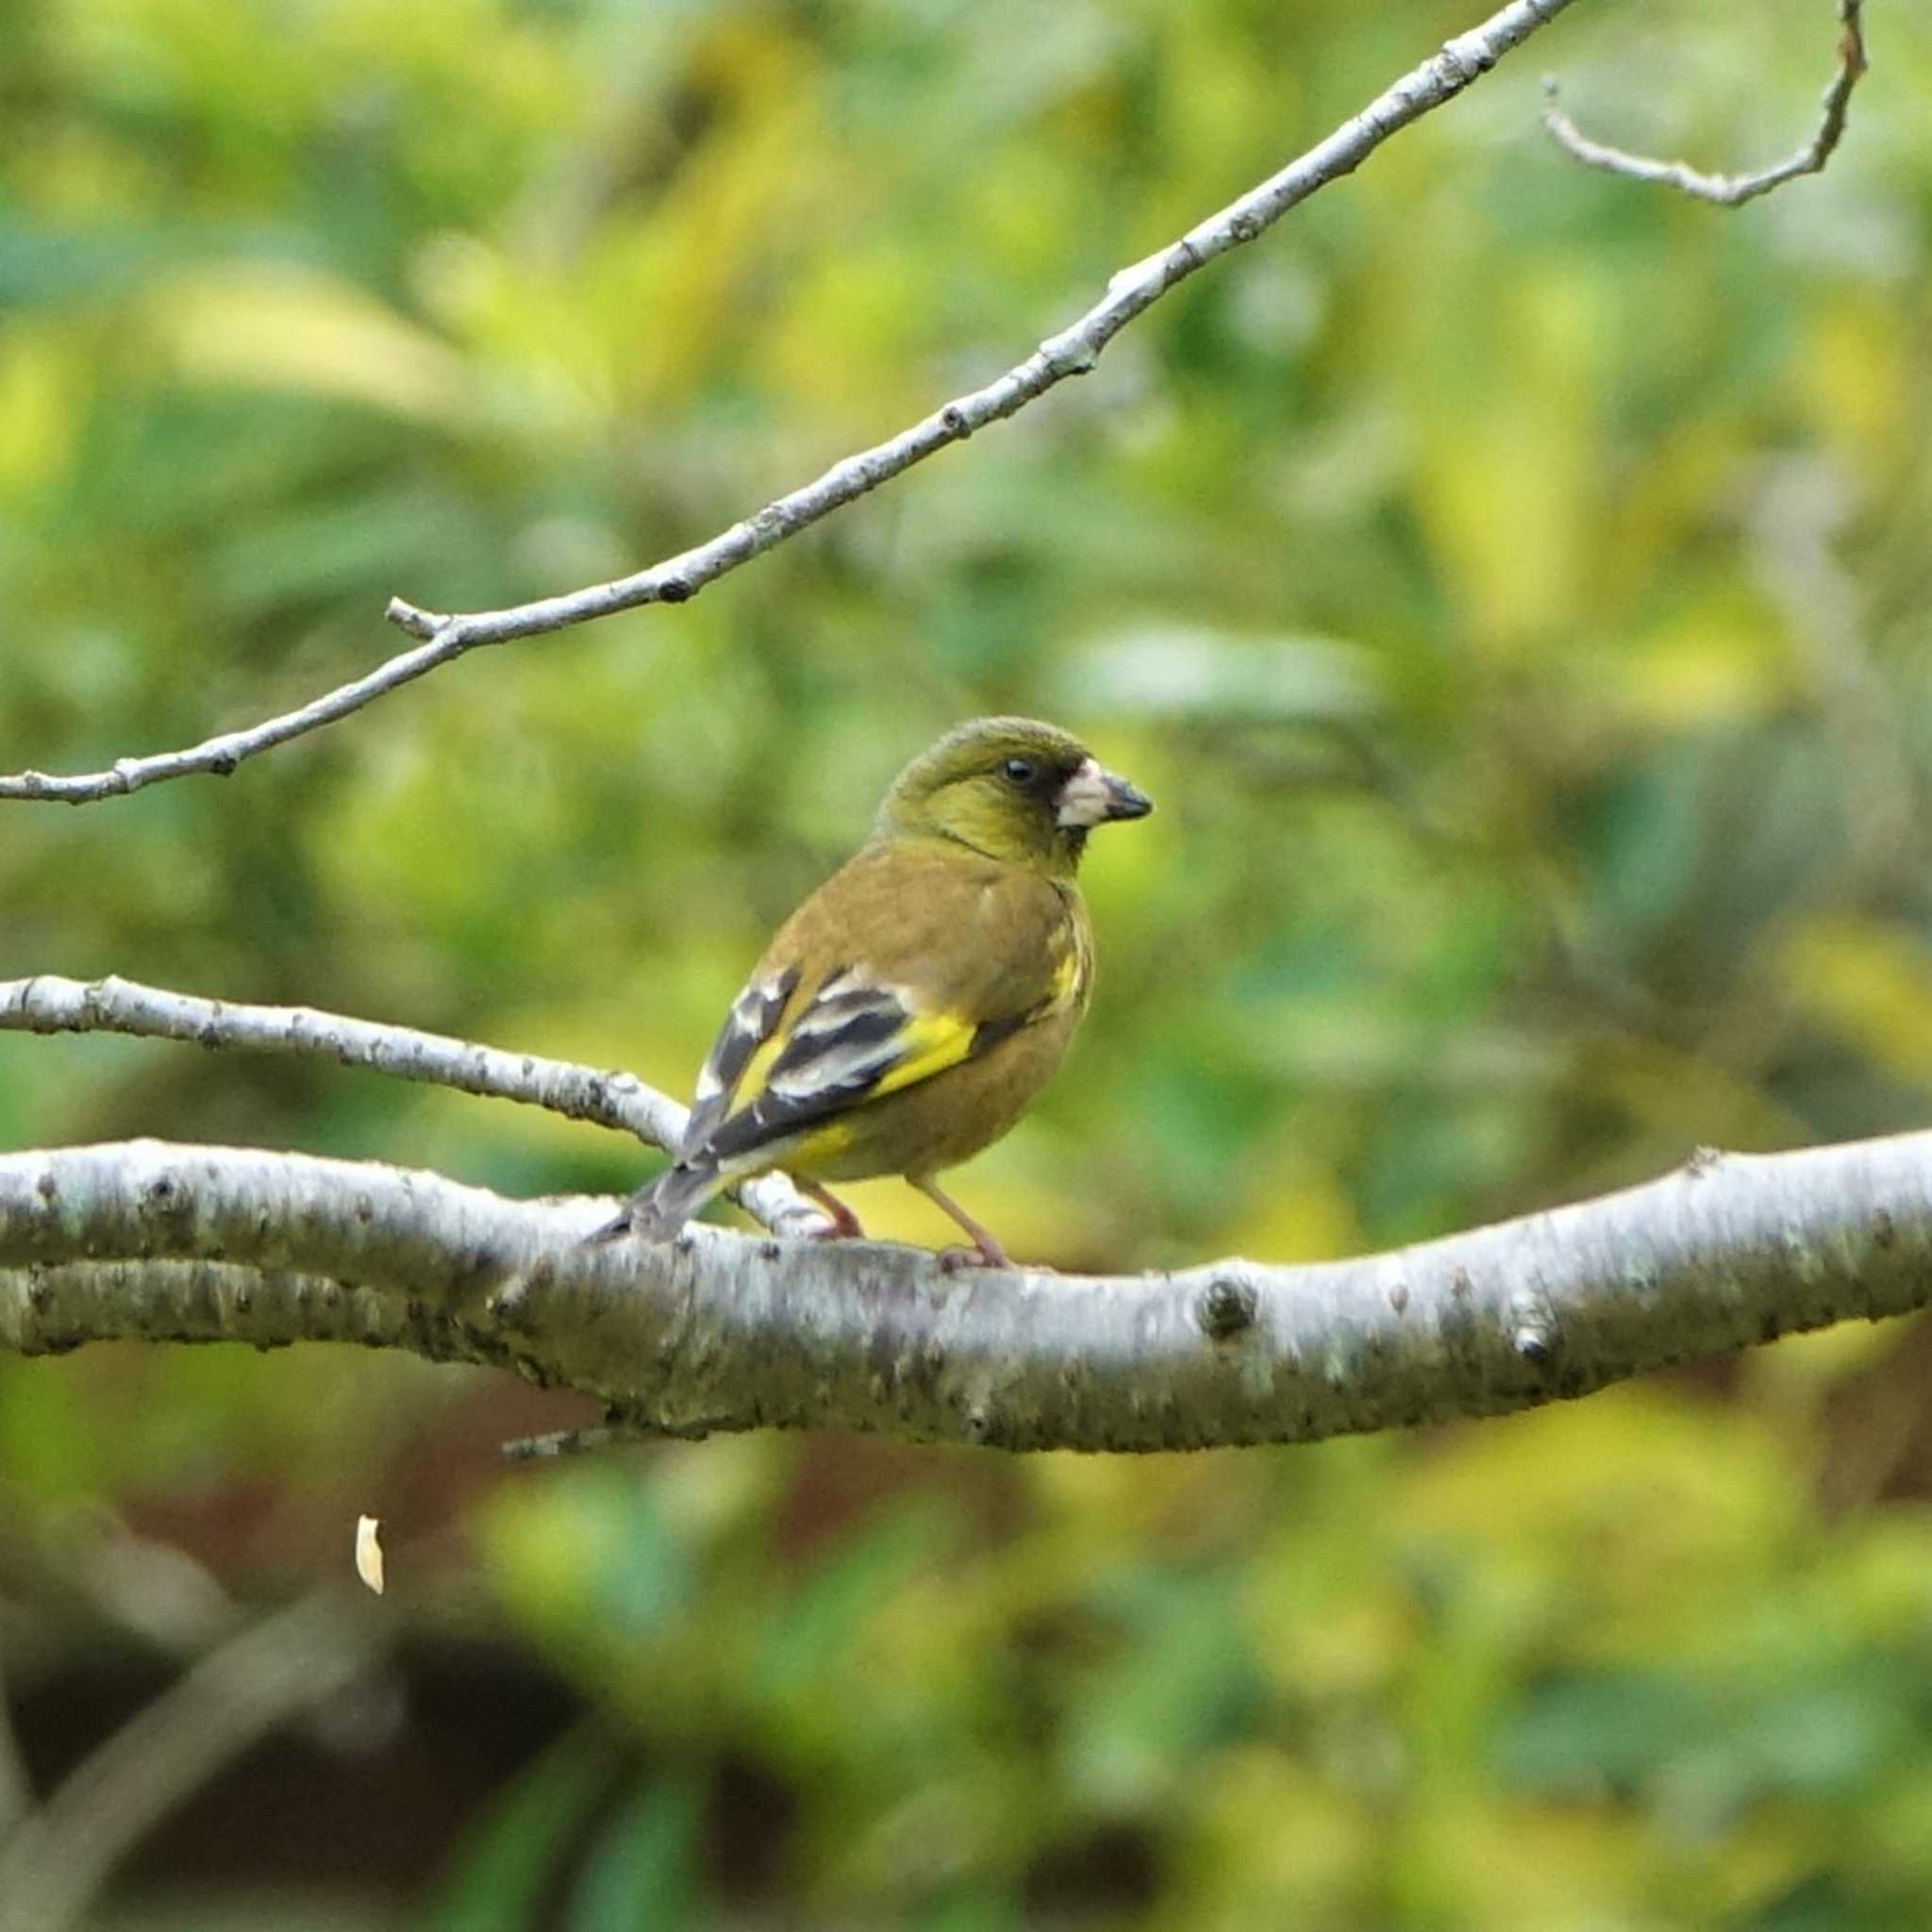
x,y
974,936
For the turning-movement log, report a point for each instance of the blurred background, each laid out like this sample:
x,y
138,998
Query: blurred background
x,y
1513,585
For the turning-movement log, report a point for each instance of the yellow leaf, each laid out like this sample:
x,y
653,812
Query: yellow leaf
x,y
1871,985
285,327
1723,658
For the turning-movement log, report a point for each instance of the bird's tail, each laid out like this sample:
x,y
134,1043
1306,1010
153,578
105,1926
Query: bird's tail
x,y
657,1212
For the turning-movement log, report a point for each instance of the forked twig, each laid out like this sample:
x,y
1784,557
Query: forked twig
x,y
48,1004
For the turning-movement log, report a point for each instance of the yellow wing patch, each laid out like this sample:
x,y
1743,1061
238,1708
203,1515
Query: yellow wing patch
x,y
820,1144
926,1044
831,1050
750,1082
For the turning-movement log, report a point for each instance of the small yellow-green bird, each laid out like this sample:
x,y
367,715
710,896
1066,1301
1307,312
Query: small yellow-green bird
x,y
907,1013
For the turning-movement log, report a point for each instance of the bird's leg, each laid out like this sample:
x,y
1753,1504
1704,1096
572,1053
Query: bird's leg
x,y
986,1251
844,1225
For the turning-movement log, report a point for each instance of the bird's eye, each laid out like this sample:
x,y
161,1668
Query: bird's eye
x,y
1017,771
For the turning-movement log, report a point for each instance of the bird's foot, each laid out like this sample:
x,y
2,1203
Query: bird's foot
x,y
845,1225
987,1254
984,1251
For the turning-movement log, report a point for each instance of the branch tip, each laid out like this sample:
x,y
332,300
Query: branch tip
x,y
418,623
1728,191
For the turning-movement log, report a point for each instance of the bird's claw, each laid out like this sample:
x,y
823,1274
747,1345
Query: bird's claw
x,y
844,1225
953,1259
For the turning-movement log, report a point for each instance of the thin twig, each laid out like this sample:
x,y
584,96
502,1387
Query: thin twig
x,y
48,1004
223,752
1073,352
1729,191
618,1431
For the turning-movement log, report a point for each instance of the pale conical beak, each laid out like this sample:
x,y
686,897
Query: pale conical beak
x,y
1094,795
1125,800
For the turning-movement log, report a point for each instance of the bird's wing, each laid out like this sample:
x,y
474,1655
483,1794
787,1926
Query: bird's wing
x,y
896,969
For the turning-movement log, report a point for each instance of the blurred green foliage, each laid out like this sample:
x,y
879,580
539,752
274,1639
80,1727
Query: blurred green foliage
x,y
1511,583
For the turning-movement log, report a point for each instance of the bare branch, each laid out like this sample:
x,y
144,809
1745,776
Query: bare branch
x,y
723,1331
56,1861
223,752
1073,352
47,1004
1730,191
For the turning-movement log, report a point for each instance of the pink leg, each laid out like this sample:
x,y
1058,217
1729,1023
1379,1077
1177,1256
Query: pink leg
x,y
844,1225
986,1251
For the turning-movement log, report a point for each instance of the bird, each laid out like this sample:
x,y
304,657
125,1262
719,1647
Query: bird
x,y
913,1008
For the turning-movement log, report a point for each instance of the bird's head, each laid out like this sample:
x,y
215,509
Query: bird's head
x,y
1012,787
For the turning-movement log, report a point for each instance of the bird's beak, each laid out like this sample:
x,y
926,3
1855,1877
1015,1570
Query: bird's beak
x,y
1094,795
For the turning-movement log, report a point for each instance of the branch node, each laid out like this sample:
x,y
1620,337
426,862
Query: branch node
x,y
1533,1344
1455,65
1070,354
1227,1307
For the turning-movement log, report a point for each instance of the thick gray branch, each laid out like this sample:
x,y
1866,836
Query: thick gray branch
x,y
1073,352
726,1331
47,1004
1730,191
